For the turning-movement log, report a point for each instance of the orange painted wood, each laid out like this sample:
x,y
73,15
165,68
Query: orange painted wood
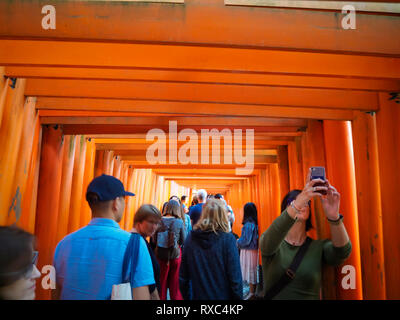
x,y
99,163
108,160
195,92
387,123
295,166
341,174
125,173
200,22
275,190
279,125
143,181
117,167
3,78
86,213
48,199
283,166
91,113
141,137
3,94
74,222
23,161
369,206
10,136
50,103
204,77
129,212
66,185
27,220
313,146
155,56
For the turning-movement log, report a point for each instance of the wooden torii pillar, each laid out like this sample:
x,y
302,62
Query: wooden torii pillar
x,y
295,165
341,174
11,123
369,205
283,165
388,131
74,222
314,156
48,199
66,185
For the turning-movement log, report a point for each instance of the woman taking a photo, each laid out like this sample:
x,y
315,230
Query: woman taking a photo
x,y
210,260
288,233
18,272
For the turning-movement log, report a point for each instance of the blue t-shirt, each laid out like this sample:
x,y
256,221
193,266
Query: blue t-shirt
x,y
89,261
195,213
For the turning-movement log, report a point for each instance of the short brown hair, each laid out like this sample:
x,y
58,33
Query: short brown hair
x,y
146,211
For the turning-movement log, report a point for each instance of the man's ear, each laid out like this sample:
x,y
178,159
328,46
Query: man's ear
x,y
114,204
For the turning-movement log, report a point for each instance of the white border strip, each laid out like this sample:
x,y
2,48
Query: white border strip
x,y
384,7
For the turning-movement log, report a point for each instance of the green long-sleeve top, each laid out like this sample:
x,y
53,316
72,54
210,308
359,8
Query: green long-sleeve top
x,y
277,255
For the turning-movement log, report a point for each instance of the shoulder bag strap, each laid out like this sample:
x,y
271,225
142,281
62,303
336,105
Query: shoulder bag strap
x,y
131,255
290,272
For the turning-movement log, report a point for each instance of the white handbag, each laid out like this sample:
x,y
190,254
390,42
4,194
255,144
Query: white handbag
x,y
121,291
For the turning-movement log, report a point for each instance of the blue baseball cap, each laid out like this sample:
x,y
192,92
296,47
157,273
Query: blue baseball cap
x,y
107,188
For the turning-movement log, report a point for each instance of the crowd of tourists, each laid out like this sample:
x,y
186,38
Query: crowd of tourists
x,y
182,252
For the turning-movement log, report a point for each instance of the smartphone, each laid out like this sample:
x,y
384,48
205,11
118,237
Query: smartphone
x,y
319,173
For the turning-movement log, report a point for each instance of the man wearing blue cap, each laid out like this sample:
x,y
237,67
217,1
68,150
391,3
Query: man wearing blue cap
x,y
89,261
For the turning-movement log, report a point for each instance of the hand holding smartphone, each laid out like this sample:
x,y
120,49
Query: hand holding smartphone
x,y
319,173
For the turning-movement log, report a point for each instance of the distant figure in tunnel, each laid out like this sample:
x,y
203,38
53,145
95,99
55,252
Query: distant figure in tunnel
x,y
231,215
287,236
248,244
89,261
195,211
18,272
210,261
194,202
183,201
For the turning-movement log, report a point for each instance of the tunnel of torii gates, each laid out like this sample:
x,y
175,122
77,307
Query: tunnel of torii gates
x,y
79,100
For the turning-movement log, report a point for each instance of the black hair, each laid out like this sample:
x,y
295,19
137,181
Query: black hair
x,y
163,207
250,213
172,197
183,198
290,196
15,253
218,196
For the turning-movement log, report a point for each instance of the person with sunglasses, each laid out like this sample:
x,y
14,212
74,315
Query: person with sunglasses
x,y
18,272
